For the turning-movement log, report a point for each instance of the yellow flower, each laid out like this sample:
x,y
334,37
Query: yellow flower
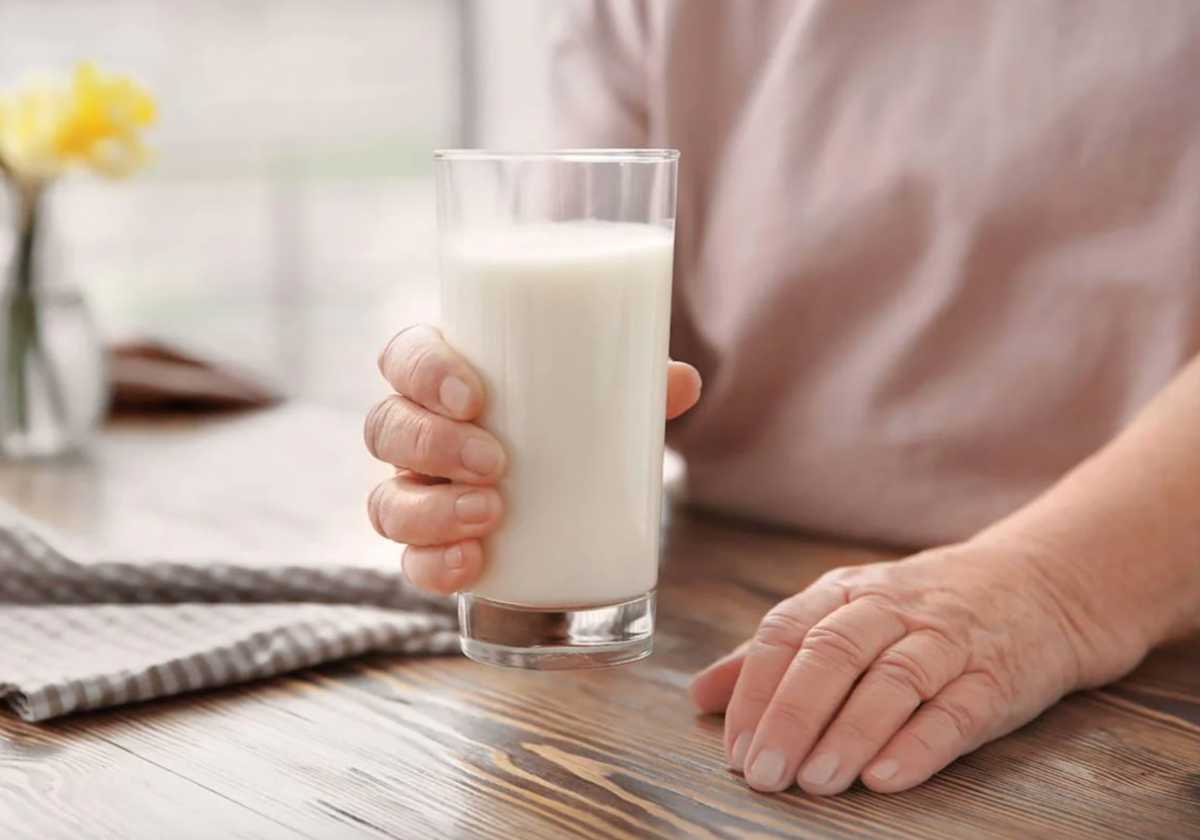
x,y
92,119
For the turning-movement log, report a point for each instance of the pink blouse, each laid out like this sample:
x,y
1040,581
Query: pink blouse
x,y
931,253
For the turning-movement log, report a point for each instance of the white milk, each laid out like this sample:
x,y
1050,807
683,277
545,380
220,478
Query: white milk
x,y
567,324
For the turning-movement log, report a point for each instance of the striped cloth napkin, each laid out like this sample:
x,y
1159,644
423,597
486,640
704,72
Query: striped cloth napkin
x,y
77,635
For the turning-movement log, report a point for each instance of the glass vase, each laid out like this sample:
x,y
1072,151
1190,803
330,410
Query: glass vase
x,y
53,366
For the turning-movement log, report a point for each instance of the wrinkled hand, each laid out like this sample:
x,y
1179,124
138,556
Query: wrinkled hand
x,y
890,671
443,498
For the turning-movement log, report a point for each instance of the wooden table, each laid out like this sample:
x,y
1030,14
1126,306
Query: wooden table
x,y
415,748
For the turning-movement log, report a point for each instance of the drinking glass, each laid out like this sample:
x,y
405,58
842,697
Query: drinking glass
x,y
556,288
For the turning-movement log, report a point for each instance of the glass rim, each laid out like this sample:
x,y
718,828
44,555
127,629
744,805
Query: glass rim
x,y
569,155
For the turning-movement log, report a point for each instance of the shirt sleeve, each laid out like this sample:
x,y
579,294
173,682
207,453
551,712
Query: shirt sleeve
x,y
598,96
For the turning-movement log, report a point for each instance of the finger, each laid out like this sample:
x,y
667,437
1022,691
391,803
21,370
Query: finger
x,y
712,688
903,677
683,388
962,717
419,364
408,510
834,654
403,433
443,569
771,650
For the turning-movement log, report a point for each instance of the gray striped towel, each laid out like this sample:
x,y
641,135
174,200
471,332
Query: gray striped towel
x,y
78,635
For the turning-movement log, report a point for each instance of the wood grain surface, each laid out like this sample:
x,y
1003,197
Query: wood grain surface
x,y
416,748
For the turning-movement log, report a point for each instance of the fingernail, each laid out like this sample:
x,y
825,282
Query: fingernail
x,y
884,770
741,746
453,557
472,508
820,770
767,769
455,395
480,456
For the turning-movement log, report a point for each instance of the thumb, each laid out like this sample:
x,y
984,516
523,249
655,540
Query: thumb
x,y
683,388
712,688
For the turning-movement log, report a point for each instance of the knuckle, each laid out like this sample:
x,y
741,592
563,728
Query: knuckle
x,y
834,646
942,637
841,580
1001,700
434,511
393,358
921,740
423,518
902,671
421,369
422,437
788,715
755,694
380,426
414,362
416,515
375,504
964,720
851,730
780,629
838,576
428,440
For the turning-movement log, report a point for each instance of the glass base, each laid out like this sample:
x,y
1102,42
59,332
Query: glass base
x,y
549,639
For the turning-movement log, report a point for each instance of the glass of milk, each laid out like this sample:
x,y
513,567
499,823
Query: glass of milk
x,y
556,287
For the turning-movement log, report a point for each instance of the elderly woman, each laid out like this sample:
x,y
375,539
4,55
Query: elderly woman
x,y
938,265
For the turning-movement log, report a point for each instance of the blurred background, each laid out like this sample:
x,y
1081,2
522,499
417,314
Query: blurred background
x,y
287,223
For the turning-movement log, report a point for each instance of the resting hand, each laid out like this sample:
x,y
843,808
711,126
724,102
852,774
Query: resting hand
x,y
893,670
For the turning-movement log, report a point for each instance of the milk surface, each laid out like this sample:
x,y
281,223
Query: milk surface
x,y
567,324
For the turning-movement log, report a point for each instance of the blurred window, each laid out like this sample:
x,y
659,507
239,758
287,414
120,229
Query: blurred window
x,y
292,173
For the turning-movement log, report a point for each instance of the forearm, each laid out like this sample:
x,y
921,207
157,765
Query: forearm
x,y
1125,525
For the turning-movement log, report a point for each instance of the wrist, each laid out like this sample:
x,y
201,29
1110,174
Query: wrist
x,y
1119,533
1107,629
